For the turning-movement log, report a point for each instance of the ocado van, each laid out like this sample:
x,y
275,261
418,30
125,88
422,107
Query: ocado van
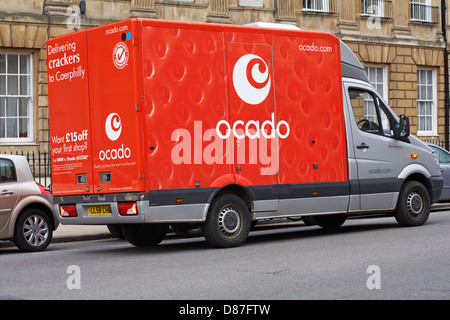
x,y
219,126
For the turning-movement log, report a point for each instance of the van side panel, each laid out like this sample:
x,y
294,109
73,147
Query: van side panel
x,y
309,98
184,94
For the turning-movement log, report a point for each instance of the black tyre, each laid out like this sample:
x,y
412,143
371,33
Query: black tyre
x,y
33,231
144,235
413,207
331,221
228,222
116,231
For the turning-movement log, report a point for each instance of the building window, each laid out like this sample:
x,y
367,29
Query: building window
x,y
15,97
376,8
378,78
317,5
426,102
422,11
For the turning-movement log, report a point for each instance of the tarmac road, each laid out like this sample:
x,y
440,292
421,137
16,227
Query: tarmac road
x,y
364,259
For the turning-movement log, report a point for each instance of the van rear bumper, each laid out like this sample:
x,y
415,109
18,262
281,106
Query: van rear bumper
x,y
165,213
437,184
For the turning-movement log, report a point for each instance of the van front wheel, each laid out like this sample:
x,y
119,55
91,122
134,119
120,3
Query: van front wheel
x,y
228,222
413,207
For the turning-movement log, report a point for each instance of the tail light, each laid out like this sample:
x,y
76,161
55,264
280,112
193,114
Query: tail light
x,y
68,210
44,190
127,208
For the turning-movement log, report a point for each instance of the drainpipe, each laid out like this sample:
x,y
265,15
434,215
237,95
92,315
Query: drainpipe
x,y
446,105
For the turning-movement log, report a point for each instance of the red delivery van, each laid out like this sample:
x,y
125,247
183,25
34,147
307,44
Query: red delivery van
x,y
156,123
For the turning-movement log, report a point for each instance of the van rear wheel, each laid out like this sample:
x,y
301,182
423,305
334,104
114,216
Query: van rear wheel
x,y
228,222
329,221
144,235
413,206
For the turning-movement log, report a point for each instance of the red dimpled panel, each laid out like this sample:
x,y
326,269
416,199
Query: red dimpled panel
x,y
308,88
184,97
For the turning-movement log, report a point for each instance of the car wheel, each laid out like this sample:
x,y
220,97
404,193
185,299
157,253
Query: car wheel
x,y
228,222
33,231
413,207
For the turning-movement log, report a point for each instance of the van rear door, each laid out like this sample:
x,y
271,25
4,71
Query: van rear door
x,y
69,119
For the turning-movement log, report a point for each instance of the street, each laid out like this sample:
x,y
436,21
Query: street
x,y
364,259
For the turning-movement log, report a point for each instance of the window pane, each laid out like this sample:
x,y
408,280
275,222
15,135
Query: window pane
x,y
11,128
364,110
24,64
23,128
420,109
23,107
428,125
429,77
419,124
24,85
2,63
7,171
2,85
11,107
423,76
2,128
13,87
380,74
429,92
379,88
2,106
13,63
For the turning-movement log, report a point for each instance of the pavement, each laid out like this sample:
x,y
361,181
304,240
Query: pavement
x,y
67,233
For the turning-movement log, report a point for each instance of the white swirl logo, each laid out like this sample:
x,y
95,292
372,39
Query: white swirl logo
x,y
251,79
113,126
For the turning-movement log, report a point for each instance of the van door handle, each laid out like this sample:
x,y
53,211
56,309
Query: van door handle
x,y
363,146
7,193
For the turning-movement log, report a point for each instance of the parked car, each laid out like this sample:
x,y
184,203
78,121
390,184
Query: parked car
x,y
27,216
444,162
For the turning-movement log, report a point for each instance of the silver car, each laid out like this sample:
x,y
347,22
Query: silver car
x,y
444,163
27,216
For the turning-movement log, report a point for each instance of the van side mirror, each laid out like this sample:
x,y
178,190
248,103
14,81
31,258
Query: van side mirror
x,y
402,131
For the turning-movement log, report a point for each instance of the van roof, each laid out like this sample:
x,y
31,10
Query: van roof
x,y
350,65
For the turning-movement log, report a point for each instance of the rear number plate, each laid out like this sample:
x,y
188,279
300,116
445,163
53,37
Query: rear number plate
x,y
100,211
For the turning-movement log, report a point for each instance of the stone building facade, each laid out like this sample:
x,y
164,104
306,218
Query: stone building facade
x,y
399,42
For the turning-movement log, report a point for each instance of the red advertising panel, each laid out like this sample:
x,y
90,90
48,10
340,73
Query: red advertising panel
x,y
115,108
253,126
70,133
95,111
184,99
308,96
